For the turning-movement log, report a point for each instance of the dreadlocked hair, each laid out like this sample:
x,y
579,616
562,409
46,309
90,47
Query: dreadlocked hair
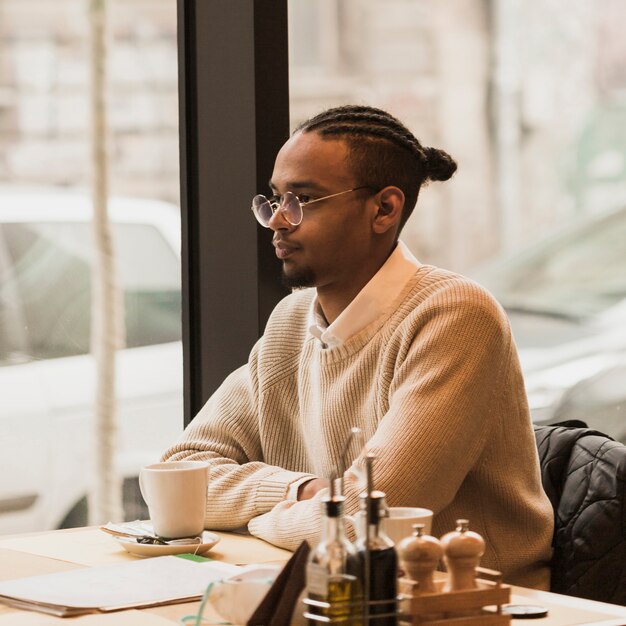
x,y
382,150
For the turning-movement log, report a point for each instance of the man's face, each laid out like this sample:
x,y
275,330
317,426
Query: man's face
x,y
330,247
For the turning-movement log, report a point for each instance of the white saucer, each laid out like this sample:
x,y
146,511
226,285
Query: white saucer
x,y
209,540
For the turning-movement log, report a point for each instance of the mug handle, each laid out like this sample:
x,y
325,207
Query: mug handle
x,y
141,486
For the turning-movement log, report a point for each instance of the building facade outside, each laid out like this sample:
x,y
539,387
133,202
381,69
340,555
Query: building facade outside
x,y
515,91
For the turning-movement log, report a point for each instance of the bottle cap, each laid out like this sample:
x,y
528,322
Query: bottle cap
x,y
377,505
332,506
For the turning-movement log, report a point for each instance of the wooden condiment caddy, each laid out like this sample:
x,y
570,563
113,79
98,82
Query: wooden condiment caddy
x,y
462,598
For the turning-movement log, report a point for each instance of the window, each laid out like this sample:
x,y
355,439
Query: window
x,y
47,373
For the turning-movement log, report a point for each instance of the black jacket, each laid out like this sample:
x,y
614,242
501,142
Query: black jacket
x,y
584,475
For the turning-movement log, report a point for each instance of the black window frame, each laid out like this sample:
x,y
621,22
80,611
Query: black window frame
x,y
233,116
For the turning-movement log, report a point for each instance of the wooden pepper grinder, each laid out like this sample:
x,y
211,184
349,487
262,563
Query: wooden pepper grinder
x,y
419,556
462,550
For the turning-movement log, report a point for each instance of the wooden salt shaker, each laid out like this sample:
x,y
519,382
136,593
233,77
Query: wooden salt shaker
x,y
419,556
462,549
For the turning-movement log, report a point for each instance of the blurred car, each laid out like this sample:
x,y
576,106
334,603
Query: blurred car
x,y
566,300
47,374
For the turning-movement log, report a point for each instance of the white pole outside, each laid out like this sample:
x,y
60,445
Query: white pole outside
x,y
105,498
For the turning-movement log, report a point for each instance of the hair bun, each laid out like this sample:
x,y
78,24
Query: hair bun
x,y
439,164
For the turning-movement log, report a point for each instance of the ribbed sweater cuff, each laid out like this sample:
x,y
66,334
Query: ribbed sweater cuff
x,y
274,488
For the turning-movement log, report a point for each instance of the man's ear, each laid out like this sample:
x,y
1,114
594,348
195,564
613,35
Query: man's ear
x,y
390,204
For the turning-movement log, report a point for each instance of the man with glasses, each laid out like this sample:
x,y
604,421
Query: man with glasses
x,y
420,359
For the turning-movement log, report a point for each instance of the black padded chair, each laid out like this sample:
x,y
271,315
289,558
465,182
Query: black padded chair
x,y
584,475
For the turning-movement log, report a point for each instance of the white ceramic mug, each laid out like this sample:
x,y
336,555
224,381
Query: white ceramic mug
x,y
176,495
399,522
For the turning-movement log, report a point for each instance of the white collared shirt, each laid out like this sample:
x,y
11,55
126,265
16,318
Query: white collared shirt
x,y
369,304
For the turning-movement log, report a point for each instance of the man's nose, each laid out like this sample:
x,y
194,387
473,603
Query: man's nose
x,y
279,222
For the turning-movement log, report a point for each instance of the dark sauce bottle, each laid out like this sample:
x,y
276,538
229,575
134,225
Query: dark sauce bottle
x,y
377,561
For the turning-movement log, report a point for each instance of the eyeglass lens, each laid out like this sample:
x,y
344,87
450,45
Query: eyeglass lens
x,y
288,204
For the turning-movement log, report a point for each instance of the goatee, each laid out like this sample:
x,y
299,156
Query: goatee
x,y
298,280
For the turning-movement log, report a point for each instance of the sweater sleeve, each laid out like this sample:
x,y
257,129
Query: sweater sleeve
x,y
226,434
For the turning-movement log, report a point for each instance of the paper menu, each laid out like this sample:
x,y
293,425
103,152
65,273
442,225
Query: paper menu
x,y
141,583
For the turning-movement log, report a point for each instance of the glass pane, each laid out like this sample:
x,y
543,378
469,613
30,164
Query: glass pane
x,y
47,369
528,98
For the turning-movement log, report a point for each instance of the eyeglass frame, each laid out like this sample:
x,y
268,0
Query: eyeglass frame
x,y
277,205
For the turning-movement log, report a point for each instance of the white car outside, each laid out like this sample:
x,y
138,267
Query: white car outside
x,y
47,375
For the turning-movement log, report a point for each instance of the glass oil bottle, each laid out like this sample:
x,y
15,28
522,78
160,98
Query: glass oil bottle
x,y
333,589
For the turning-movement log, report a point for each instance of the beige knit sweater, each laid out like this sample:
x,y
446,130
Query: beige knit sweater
x,y
435,385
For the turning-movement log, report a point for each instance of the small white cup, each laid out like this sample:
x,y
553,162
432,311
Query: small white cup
x,y
399,523
176,495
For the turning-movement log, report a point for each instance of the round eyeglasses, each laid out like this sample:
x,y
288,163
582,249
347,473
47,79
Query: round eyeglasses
x,y
289,205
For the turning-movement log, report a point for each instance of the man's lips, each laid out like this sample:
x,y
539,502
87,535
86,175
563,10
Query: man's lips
x,y
283,249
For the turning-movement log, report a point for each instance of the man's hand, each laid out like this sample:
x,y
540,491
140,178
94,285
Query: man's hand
x,y
307,490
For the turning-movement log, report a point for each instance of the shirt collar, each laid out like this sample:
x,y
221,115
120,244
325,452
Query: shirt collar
x,y
369,304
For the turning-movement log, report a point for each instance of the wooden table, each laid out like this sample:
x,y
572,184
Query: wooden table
x,y
62,550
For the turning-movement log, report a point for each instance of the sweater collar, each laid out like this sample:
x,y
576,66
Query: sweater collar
x,y
369,304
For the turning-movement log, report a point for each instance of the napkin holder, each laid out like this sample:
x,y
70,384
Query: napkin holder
x,y
278,606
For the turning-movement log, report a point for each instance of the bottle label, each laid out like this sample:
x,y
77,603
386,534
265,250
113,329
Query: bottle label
x,y
317,579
